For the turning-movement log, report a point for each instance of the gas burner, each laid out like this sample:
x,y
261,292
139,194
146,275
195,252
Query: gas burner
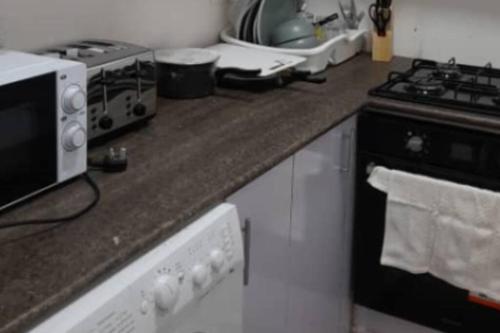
x,y
448,71
426,87
450,85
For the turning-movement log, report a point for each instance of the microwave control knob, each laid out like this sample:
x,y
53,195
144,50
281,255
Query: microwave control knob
x,y
74,136
200,275
74,99
166,292
217,260
415,144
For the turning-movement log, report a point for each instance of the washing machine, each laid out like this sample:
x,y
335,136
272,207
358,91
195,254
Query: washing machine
x,y
192,283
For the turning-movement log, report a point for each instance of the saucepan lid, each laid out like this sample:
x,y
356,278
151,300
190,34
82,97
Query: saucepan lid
x,y
187,56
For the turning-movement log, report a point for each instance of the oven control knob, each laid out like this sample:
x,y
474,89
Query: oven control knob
x,y
200,275
74,99
166,292
74,136
415,144
217,260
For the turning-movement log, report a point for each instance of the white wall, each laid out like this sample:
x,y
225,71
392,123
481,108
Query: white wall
x,y
440,29
436,29
169,23
30,24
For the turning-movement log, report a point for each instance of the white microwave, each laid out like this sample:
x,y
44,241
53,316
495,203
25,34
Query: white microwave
x,y
43,124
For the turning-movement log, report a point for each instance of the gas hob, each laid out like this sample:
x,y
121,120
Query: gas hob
x,y
451,85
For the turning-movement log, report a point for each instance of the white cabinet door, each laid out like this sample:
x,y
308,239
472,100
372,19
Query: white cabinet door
x,y
319,290
266,204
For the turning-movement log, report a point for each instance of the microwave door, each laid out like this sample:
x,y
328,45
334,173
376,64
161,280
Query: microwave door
x,y
28,141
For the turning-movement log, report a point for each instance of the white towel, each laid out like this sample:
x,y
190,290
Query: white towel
x,y
449,230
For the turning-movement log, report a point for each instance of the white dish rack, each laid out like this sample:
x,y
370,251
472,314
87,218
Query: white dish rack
x,y
333,51
355,43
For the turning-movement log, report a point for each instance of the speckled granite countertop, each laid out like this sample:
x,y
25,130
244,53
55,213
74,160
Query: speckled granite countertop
x,y
191,157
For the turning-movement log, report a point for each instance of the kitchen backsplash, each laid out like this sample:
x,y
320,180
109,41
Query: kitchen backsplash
x,y
30,24
437,29
440,29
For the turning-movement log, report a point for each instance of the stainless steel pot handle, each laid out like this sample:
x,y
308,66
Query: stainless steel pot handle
x,y
246,230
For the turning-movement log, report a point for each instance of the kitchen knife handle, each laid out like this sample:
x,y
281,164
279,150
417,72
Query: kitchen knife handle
x,y
328,19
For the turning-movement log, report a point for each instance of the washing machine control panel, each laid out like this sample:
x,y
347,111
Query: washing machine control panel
x,y
150,294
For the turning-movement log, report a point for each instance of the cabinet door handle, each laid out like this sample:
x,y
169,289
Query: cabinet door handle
x,y
246,230
347,149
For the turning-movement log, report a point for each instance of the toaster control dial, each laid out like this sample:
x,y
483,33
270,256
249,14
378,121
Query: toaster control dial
x,y
74,136
140,110
106,123
74,99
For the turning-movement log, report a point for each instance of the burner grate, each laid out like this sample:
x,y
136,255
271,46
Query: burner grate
x,y
475,89
448,71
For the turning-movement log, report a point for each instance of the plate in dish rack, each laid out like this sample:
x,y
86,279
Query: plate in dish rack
x,y
237,12
247,30
271,14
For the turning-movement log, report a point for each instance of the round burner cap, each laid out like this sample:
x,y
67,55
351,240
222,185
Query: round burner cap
x,y
426,87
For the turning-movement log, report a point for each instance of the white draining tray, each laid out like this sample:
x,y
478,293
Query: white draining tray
x,y
317,58
245,58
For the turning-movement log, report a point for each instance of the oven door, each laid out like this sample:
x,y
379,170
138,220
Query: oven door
x,y
419,298
28,137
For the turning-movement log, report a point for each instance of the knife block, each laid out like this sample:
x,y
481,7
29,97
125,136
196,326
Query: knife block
x,y
382,47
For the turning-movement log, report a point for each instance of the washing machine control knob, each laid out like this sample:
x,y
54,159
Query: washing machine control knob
x,y
217,259
200,275
166,292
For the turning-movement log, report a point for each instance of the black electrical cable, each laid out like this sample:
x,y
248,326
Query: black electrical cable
x,y
65,219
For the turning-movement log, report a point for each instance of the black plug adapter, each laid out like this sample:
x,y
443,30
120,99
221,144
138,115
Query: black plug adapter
x,y
112,162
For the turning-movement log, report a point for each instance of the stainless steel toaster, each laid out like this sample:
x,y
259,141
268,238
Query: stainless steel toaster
x,y
121,84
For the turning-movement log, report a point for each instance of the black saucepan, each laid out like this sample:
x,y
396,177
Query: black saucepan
x,y
186,73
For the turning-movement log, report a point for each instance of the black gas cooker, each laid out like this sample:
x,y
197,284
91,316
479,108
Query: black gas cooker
x,y
425,145
451,85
